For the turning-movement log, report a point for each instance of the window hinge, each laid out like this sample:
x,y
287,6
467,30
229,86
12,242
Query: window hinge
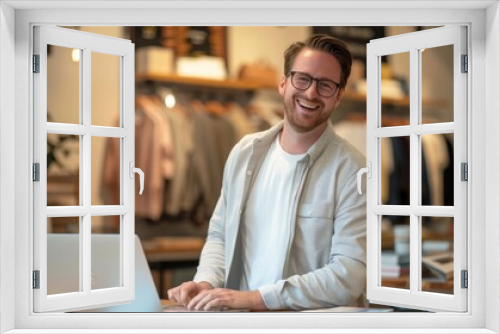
x,y
36,63
464,171
465,64
465,279
36,279
36,172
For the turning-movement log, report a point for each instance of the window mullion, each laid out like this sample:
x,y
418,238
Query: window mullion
x,y
396,210
85,164
109,210
40,154
460,155
433,129
393,131
127,197
372,184
415,172
67,129
66,211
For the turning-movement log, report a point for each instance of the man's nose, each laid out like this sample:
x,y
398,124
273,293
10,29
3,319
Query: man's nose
x,y
312,91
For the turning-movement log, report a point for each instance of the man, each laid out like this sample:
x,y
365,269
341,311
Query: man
x,y
288,231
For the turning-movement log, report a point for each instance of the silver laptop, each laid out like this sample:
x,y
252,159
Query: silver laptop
x,y
63,276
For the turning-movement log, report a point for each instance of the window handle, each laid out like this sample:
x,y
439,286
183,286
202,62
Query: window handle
x,y
367,170
138,171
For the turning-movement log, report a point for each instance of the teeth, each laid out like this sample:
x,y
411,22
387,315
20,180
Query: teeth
x,y
306,104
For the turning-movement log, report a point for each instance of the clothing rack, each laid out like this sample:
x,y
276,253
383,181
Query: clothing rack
x,y
182,151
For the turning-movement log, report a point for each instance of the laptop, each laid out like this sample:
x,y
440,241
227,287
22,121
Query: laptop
x,y
63,275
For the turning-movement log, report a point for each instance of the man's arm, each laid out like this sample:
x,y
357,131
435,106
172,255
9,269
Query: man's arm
x,y
212,260
212,267
211,270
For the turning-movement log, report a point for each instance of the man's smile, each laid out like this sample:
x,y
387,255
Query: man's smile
x,y
311,106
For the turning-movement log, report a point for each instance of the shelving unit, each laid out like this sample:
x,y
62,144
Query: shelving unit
x,y
249,86
203,82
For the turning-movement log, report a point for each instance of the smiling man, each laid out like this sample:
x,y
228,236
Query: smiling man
x,y
289,231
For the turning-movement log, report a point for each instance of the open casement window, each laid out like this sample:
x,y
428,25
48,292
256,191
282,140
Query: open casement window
x,y
70,135
417,190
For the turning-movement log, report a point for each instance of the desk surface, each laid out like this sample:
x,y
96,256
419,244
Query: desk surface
x,y
174,307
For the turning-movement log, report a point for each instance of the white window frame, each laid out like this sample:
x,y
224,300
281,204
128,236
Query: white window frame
x,y
87,44
483,20
412,44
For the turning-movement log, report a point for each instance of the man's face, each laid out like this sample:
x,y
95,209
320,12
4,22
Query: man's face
x,y
306,110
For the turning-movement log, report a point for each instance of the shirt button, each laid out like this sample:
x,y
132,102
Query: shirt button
x,y
249,173
309,212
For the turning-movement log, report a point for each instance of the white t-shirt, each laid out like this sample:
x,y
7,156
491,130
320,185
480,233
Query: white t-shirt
x,y
266,227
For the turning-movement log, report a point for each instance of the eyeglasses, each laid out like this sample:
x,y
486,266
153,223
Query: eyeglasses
x,y
324,87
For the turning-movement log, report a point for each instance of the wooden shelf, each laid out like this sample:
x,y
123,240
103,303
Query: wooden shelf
x,y
404,102
203,82
240,85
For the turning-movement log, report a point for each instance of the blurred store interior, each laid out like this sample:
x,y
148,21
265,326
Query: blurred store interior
x,y
198,91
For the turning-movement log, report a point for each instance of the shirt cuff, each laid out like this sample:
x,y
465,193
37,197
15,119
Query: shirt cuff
x,y
271,297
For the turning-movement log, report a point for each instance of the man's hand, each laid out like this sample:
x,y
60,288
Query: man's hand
x,y
217,299
186,291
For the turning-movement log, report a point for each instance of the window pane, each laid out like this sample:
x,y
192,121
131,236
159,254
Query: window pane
x,y
437,84
395,259
106,179
106,252
395,89
63,85
63,255
105,89
63,170
437,169
395,171
437,254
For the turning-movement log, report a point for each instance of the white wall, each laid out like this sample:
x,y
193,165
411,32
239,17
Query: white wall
x,y
7,167
251,44
22,123
491,163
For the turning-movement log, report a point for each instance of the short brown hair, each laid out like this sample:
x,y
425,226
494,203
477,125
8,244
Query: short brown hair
x,y
328,44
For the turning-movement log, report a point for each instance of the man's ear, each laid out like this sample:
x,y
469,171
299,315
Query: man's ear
x,y
281,86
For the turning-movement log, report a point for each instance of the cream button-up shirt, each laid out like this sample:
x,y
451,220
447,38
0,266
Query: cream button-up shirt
x,y
325,263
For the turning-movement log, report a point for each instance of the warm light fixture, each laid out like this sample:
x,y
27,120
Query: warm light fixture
x,y
170,100
75,55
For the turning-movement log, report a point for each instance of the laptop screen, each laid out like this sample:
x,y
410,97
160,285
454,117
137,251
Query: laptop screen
x,y
63,273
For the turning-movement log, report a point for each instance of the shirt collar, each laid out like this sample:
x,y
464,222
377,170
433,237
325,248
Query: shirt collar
x,y
266,138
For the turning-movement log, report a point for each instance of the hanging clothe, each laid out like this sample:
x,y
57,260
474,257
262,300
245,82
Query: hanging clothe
x,y
448,175
182,151
436,156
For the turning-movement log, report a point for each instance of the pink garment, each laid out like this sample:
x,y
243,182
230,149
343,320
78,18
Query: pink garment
x,y
153,151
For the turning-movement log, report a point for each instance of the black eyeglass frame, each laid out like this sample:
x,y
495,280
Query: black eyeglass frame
x,y
291,74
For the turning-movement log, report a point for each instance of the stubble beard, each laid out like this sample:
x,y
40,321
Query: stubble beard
x,y
291,115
